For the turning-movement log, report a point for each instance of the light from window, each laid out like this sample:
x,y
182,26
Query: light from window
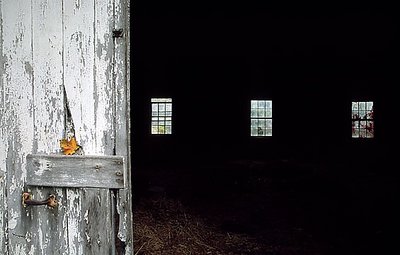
x,y
161,116
362,118
261,118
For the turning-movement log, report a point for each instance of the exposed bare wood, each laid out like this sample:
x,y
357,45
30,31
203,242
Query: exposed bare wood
x,y
76,171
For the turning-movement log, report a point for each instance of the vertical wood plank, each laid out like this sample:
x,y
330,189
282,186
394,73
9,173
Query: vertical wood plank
x,y
98,228
78,80
103,83
122,146
3,205
79,69
16,123
3,210
48,226
87,90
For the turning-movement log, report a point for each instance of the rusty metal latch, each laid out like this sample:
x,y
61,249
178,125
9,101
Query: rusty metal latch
x,y
51,201
117,33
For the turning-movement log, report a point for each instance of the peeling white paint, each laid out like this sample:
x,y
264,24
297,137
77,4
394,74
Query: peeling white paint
x,y
12,223
86,217
42,167
46,45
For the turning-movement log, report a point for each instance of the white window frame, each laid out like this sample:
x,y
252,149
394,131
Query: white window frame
x,y
161,116
260,118
362,119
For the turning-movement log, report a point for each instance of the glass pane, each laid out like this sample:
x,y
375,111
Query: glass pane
x,y
253,104
268,132
354,106
253,113
253,132
355,133
269,124
253,123
262,123
268,104
260,131
361,105
154,110
261,113
261,104
168,130
161,129
268,113
355,129
369,106
154,129
362,114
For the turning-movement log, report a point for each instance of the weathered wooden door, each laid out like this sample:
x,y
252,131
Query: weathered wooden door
x,y
55,55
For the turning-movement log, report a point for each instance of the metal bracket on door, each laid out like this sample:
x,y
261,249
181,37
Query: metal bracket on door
x,y
118,33
51,201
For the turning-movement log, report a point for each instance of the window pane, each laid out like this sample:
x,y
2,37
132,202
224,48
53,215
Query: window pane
x,y
268,113
362,116
253,104
261,118
253,113
261,113
354,106
161,107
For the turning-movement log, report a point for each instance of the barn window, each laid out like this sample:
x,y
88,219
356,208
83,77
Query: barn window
x,y
362,117
261,118
161,116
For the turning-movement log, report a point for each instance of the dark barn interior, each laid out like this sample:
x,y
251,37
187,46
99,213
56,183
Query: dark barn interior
x,y
311,175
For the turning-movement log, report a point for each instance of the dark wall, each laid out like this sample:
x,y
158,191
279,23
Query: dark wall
x,y
311,64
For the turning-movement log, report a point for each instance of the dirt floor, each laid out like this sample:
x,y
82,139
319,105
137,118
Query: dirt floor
x,y
244,209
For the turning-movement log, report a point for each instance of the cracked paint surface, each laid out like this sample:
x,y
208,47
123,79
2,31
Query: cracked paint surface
x,y
46,46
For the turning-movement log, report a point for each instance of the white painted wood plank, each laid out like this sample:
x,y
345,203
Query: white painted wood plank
x,y
105,172
3,150
16,119
80,79
121,72
99,232
3,210
75,217
103,84
48,227
79,69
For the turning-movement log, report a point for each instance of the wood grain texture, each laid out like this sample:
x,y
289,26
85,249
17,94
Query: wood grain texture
x,y
121,71
47,226
85,171
16,115
3,208
83,87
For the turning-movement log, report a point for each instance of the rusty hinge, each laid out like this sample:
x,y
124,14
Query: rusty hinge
x,y
117,33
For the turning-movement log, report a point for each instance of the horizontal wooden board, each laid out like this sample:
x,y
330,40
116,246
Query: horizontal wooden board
x,y
76,171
